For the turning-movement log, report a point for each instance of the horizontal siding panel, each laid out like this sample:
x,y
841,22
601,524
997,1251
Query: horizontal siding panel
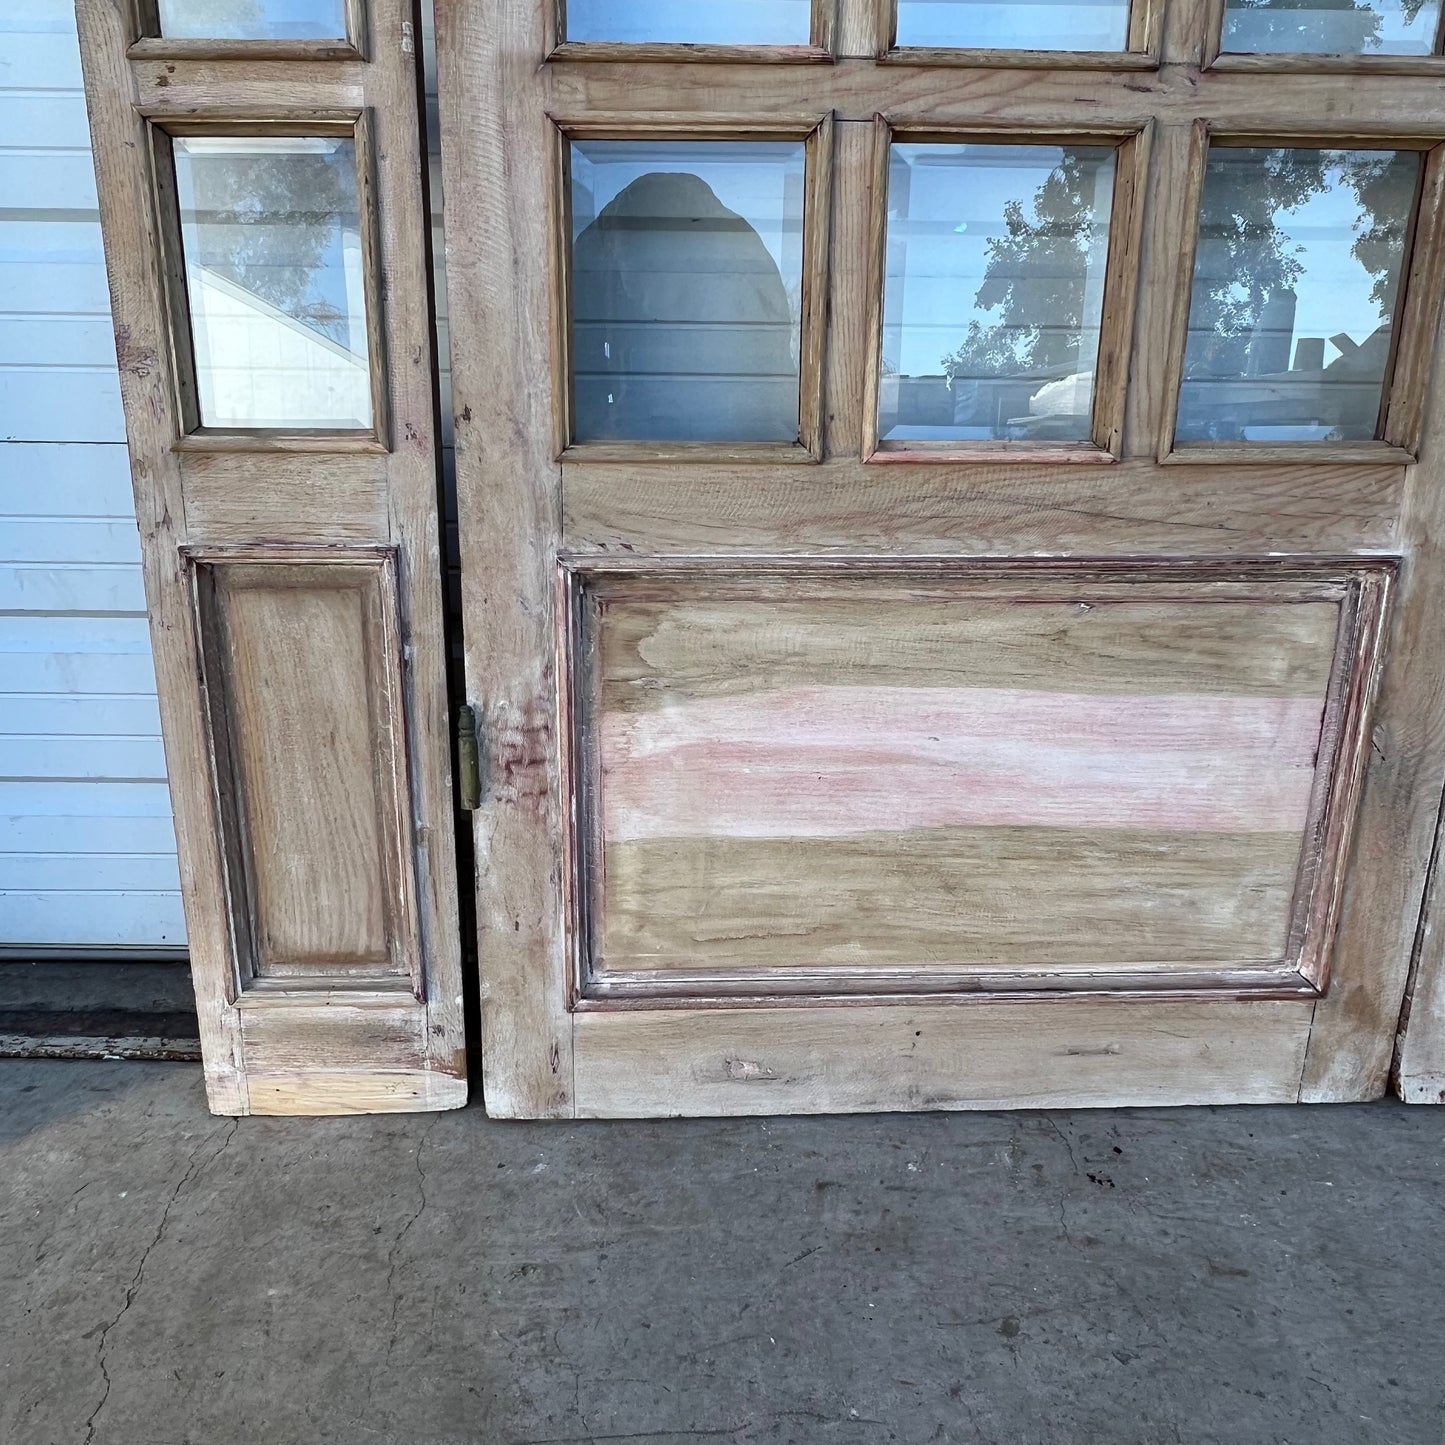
x,y
75,757
66,479
62,672
125,919
42,588
31,343
60,178
87,800
79,716
67,872
69,285
85,818
57,118
61,405
36,58
70,540
82,863
85,837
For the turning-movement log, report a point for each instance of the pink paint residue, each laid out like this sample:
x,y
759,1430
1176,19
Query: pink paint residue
x,y
829,761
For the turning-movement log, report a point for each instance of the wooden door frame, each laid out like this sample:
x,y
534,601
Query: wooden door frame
x,y
524,506
349,1029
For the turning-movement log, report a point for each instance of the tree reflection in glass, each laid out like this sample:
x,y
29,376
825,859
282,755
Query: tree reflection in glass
x,y
1331,27
686,285
271,236
994,291
252,19
1296,281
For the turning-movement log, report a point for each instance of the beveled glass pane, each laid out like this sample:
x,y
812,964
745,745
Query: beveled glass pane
x,y
1019,25
271,235
994,291
253,19
1328,27
687,268
691,22
1296,277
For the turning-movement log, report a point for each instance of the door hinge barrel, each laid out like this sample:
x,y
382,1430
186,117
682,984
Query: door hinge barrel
x,y
469,761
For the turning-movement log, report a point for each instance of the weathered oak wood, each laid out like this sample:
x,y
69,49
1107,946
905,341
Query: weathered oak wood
x,y
305,718
692,720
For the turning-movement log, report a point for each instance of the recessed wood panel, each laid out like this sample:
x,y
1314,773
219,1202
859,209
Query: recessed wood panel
x,y
303,680
966,779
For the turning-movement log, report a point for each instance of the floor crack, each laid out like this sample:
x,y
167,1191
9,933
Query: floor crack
x,y
391,1254
193,1168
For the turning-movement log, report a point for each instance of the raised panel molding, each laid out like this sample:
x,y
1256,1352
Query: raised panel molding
x,y
301,668
985,779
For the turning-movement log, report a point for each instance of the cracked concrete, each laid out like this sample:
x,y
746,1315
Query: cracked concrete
x,y
1249,1276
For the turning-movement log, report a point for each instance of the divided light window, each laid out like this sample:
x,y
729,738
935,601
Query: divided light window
x,y
1090,25
252,19
1326,27
1297,287
691,292
270,283
687,22
1005,305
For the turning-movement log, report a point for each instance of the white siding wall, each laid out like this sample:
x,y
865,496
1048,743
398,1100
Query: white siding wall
x,y
87,851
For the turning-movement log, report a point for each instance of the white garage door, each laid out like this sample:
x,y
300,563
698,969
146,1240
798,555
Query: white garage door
x,y
87,851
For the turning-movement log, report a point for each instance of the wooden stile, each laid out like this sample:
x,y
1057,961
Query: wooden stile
x,y
294,583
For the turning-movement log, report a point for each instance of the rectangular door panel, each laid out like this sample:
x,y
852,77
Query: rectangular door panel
x,y
302,667
952,778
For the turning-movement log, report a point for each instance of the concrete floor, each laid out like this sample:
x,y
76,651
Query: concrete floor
x,y
1128,1278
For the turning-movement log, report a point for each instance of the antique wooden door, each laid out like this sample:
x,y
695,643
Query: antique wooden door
x,y
258,170
951,546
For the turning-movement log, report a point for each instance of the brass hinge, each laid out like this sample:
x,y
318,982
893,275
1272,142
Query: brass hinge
x,y
469,757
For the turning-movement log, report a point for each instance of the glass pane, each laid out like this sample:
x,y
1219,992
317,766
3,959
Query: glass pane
x,y
271,232
1329,27
252,19
1295,282
691,22
1020,25
687,270
994,291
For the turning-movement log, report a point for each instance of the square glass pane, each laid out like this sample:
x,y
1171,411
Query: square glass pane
x,y
687,275
1296,278
993,291
271,236
1019,25
1327,27
691,22
253,19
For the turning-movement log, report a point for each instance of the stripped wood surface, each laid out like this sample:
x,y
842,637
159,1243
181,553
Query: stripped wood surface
x,y
748,797
1040,781
387,910
1076,1054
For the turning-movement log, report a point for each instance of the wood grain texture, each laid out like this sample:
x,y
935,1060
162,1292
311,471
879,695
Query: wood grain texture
x,y
829,762
1419,1064
704,513
1132,509
389,498
1355,1031
495,168
786,772
1098,642
302,666
1026,899
995,1056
